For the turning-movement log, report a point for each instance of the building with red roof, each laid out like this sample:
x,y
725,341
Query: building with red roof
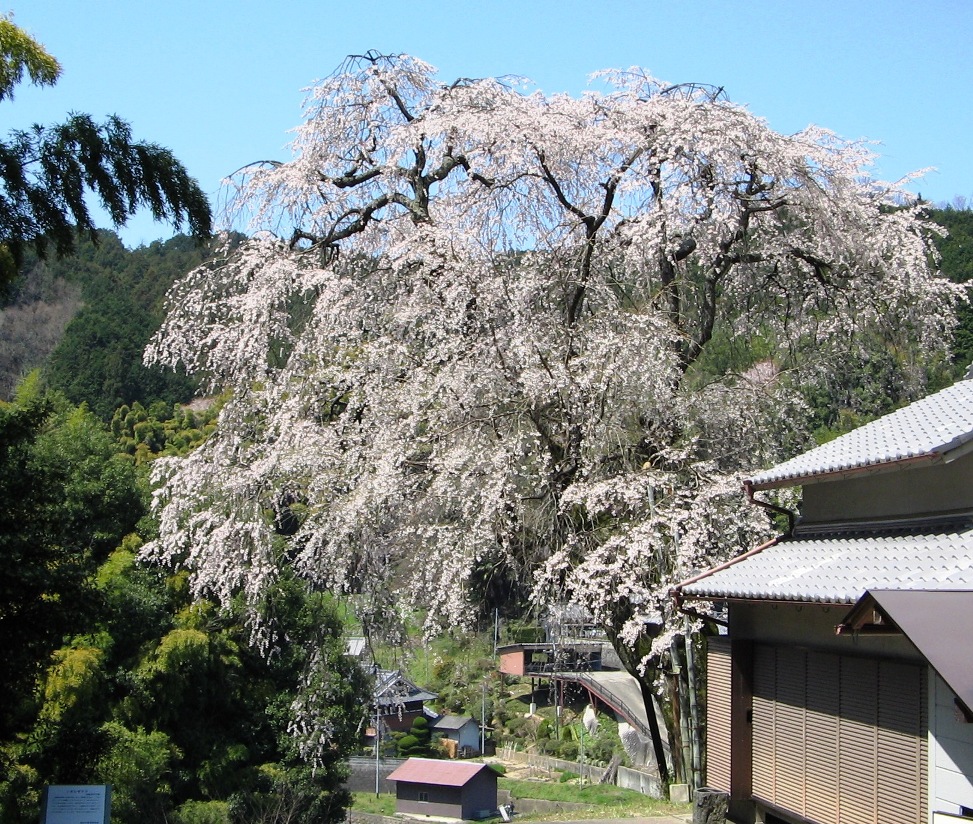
x,y
452,789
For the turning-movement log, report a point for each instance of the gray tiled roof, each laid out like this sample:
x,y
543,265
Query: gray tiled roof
x,y
393,687
839,569
928,428
452,722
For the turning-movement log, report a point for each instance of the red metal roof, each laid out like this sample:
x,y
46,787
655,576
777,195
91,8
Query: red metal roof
x,y
435,771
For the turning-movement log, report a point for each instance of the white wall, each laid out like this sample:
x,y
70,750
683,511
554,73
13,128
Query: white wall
x,y
950,751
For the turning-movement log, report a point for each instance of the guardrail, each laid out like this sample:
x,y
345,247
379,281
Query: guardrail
x,y
612,699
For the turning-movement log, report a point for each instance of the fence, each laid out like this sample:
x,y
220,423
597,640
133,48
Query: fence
x,y
631,779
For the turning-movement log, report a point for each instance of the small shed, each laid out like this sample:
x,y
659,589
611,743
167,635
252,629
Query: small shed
x,y
462,729
453,789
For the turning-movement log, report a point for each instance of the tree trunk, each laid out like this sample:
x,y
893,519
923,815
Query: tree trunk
x,y
658,746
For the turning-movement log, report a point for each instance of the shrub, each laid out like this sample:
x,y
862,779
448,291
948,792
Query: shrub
x,y
203,812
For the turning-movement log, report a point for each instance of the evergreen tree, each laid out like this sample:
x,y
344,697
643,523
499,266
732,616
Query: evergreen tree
x,y
47,171
66,500
114,675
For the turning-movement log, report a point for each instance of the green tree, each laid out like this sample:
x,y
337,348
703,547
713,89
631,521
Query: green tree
x,y
167,701
417,741
956,248
66,500
20,53
46,171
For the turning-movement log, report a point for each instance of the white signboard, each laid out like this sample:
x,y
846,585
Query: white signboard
x,y
76,804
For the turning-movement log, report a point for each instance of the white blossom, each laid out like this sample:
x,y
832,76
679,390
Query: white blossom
x,y
487,329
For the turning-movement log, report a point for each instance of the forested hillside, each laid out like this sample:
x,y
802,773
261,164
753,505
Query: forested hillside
x,y
957,262
113,674
85,320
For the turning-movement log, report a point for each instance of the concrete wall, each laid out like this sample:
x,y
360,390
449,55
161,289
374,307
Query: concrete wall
x,y
361,777
642,782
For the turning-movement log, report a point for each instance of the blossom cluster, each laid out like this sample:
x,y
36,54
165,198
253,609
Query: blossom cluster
x,y
479,329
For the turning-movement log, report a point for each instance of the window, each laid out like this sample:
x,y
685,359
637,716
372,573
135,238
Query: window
x,y
423,795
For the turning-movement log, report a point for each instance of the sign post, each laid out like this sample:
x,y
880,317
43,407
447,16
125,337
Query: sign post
x,y
76,804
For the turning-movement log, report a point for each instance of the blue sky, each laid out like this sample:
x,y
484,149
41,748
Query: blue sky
x,y
219,82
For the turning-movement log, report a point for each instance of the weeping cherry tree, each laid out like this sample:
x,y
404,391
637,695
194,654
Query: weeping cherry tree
x,y
485,343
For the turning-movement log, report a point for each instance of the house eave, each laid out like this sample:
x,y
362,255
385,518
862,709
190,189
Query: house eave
x,y
956,449
826,476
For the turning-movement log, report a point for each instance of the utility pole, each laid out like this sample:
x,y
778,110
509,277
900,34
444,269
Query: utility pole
x,y
581,779
695,743
378,748
483,722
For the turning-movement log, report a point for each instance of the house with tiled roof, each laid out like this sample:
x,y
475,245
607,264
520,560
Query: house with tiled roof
x,y
396,703
451,789
400,701
462,731
841,687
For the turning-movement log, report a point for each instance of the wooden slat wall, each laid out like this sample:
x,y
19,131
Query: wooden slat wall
x,y
901,743
718,706
857,739
764,722
847,748
791,736
821,725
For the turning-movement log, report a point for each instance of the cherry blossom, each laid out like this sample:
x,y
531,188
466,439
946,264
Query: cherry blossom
x,y
481,333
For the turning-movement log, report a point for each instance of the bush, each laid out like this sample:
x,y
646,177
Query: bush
x,y
547,746
407,743
203,812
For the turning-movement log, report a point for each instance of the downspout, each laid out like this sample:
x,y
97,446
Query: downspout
x,y
789,514
676,592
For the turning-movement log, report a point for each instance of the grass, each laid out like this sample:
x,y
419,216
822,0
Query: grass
x,y
603,801
370,803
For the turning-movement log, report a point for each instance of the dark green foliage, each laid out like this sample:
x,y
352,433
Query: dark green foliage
x,y
47,172
167,701
956,250
113,674
66,499
416,742
99,359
